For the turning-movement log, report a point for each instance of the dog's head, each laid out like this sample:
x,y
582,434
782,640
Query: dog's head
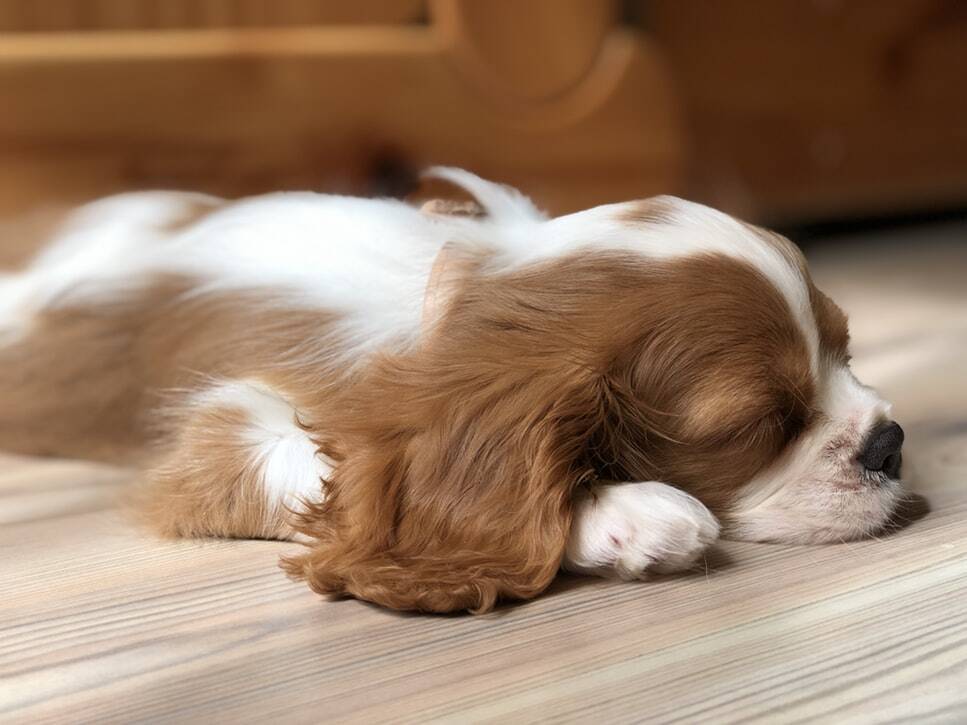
x,y
652,340
731,374
725,370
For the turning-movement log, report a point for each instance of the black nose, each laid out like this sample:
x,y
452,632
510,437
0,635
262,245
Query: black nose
x,y
882,449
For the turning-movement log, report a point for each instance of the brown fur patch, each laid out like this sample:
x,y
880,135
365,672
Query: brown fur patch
x,y
73,385
209,483
106,382
452,267
85,379
831,321
457,461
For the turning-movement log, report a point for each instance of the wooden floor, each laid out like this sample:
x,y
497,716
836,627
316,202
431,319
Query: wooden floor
x,y
101,623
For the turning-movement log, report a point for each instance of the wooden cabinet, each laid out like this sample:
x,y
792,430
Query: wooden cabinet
x,y
801,110
46,16
780,110
241,96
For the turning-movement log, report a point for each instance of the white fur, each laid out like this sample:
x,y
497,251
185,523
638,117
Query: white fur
x,y
818,491
634,529
290,467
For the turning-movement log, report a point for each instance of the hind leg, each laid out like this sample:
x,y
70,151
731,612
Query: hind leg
x,y
70,383
67,385
236,465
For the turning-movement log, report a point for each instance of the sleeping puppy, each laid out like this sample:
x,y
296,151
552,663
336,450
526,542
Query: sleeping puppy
x,y
447,408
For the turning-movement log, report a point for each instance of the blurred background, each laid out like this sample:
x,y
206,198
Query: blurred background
x,y
789,112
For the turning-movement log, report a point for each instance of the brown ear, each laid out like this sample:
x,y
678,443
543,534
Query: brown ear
x,y
457,467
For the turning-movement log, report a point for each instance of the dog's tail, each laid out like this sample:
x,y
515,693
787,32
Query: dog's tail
x,y
502,203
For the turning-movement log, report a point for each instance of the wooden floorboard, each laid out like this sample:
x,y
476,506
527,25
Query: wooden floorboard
x,y
99,622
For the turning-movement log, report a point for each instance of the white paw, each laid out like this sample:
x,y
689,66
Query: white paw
x,y
630,530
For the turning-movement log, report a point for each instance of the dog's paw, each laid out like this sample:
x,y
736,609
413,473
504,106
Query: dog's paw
x,y
630,530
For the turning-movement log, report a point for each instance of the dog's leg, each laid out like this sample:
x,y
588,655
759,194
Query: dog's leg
x,y
236,464
629,530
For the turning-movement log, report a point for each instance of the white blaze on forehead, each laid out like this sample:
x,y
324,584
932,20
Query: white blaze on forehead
x,y
680,229
842,397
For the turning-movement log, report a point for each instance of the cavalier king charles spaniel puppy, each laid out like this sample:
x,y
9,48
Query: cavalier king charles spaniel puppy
x,y
448,408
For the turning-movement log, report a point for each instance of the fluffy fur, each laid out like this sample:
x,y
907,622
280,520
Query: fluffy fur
x,y
449,404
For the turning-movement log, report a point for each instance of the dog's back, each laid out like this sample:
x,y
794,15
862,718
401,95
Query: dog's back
x,y
140,296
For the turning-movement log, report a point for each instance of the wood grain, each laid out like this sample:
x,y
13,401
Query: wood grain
x,y
101,623
37,16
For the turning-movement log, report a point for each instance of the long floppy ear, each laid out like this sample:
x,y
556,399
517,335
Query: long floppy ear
x,y
456,466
